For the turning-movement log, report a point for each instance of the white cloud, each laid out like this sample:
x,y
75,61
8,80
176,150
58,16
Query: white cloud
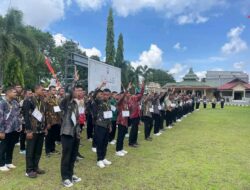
x,y
68,2
60,39
178,71
239,65
152,58
217,59
201,74
186,11
235,44
37,13
91,51
191,19
90,4
178,47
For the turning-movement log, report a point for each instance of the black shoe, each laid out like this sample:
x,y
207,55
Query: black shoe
x,y
40,171
149,139
31,174
79,156
133,145
55,152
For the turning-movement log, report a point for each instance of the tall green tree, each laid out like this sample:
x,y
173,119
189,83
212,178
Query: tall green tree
x,y
14,40
110,40
119,58
13,71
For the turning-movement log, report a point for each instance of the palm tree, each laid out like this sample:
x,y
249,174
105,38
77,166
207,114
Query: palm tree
x,y
13,40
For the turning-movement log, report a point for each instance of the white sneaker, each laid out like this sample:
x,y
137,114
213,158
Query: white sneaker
x,y
119,153
90,139
4,169
106,162
113,142
139,132
170,127
76,179
185,116
10,166
22,152
67,183
100,164
124,151
178,120
17,144
93,149
127,135
157,134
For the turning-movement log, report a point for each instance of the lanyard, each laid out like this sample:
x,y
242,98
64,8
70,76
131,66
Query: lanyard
x,y
39,103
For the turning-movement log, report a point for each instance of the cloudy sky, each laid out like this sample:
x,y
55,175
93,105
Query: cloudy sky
x,y
170,34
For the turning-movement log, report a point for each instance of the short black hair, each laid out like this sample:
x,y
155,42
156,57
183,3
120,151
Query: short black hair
x,y
38,86
106,90
114,92
8,89
52,86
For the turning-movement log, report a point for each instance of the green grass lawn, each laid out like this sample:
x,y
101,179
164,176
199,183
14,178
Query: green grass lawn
x,y
209,149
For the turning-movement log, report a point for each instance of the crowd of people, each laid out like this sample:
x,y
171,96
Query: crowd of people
x,y
35,118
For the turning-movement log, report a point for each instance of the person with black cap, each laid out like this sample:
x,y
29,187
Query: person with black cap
x,y
103,116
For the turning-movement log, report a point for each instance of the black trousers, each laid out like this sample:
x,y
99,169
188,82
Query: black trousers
x,y
112,134
222,105
22,138
51,138
122,130
204,105
197,105
94,139
70,147
192,109
90,126
156,118
134,130
213,105
102,139
162,116
148,125
168,118
34,151
7,147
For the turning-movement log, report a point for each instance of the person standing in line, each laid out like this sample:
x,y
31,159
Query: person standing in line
x,y
222,102
27,95
134,109
34,111
204,102
113,104
214,101
10,125
70,135
103,126
147,118
53,115
156,114
122,121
